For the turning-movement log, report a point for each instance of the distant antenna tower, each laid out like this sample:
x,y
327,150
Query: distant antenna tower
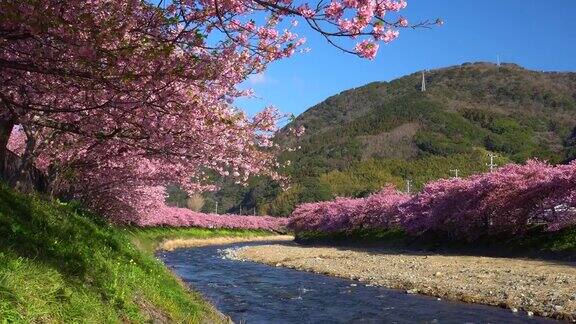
x,y
492,165
423,81
456,172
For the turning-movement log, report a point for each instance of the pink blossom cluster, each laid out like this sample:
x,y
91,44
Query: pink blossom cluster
x,y
151,210
17,141
509,201
115,95
182,217
379,210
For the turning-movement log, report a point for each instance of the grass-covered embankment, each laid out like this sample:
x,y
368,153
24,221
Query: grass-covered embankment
x,y
537,243
59,263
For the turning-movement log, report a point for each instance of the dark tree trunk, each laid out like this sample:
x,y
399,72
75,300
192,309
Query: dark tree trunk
x,y
24,177
6,126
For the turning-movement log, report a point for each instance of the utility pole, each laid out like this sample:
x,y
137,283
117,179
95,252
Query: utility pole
x,y
455,171
423,81
492,165
408,186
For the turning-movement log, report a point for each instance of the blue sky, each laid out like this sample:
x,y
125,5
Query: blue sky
x,y
539,35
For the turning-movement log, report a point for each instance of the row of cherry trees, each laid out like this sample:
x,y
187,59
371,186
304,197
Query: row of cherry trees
x,y
182,217
145,206
380,210
507,202
152,211
116,97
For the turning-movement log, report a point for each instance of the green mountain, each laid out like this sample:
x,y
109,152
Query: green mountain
x,y
390,132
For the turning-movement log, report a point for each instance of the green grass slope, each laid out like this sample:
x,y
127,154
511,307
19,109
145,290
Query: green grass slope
x,y
61,264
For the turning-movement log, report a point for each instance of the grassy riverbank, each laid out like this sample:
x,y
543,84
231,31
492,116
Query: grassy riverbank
x,y
61,264
539,244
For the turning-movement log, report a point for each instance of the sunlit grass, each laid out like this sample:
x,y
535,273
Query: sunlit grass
x,y
59,263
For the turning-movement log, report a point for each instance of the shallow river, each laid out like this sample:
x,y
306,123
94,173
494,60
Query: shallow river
x,y
255,293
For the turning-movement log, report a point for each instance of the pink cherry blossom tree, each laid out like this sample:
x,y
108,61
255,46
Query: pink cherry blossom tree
x,y
115,97
377,211
506,203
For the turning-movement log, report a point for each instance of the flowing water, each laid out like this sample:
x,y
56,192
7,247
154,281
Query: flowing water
x,y
249,292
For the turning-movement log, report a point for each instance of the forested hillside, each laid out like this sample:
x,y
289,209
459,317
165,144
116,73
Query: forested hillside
x,y
390,132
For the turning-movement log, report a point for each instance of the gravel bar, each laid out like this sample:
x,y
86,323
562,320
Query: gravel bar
x,y
543,288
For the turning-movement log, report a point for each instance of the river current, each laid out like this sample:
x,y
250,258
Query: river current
x,y
249,292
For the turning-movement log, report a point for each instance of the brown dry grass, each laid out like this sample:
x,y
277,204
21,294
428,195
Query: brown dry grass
x,y
171,245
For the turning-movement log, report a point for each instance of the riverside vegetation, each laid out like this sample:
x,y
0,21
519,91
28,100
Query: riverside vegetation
x,y
59,263
508,203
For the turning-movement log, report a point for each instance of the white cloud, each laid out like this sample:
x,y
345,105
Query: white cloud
x,y
260,78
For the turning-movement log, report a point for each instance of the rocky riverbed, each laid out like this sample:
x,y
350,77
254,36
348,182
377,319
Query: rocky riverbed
x,y
543,288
